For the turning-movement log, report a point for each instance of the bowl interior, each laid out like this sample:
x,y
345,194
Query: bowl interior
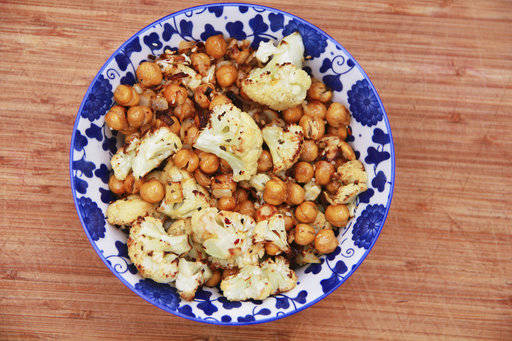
x,y
93,145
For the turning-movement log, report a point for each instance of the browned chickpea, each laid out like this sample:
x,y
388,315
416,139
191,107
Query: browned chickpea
x,y
191,135
241,195
116,118
340,132
265,161
126,95
139,115
174,125
289,222
186,159
214,280
115,185
304,234
152,191
216,46
247,208
323,172
223,186
200,62
224,166
309,151
314,127
303,172
306,212
271,249
209,163
332,187
318,91
201,97
338,115
337,215
295,193
293,114
218,100
226,203
175,94
347,151
131,185
265,211
149,74
226,75
325,241
185,110
315,109
274,192
202,179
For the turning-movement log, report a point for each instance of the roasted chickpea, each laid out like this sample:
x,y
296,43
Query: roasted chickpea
x,y
139,115
223,186
340,132
175,94
325,241
208,163
202,179
318,91
293,114
295,193
289,222
200,62
304,234
265,211
226,203
152,191
323,172
271,249
224,166
265,161
309,151
332,187
214,280
218,100
216,46
314,127
201,97
185,110
115,185
174,125
186,159
337,115
274,192
337,215
131,185
226,75
306,212
116,118
247,208
303,172
241,195
191,135
315,109
149,74
126,95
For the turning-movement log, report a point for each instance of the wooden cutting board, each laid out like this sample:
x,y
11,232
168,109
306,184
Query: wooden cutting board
x,y
442,268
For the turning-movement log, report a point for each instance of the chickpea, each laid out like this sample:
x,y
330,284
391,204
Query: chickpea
x,y
337,215
218,100
318,91
295,194
152,191
332,187
337,115
309,151
274,192
216,46
304,234
200,62
185,110
314,127
139,115
247,208
265,211
131,185
116,118
186,159
226,203
191,135
226,75
174,125
214,280
223,186
175,94
241,195
323,172
126,95
209,163
271,249
201,97
325,241
289,222
315,109
202,179
224,166
293,114
340,132
265,161
306,212
303,172
115,185
149,74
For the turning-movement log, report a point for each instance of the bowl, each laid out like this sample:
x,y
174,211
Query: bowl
x,y
92,146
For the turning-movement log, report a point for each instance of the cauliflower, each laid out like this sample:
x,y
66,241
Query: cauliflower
x,y
125,211
284,144
354,180
258,182
272,230
282,83
178,227
179,67
321,223
311,191
232,135
194,198
307,255
281,277
122,160
333,147
191,275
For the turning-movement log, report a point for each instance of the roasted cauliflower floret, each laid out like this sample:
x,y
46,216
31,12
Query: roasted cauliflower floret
x,y
284,144
321,223
174,64
258,182
282,83
232,135
311,191
281,277
192,198
122,160
333,147
125,211
307,255
191,275
354,180
272,230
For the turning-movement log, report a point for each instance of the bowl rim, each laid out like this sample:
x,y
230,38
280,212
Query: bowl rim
x,y
307,304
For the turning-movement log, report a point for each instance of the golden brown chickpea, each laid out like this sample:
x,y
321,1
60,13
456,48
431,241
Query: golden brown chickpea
x,y
265,161
226,203
295,194
200,95
226,75
340,132
318,91
139,115
309,151
306,212
332,187
218,100
304,234
216,46
175,94
223,186
246,207
289,222
338,115
115,185
241,195
337,215
200,62
131,185
315,109
271,249
116,118
325,241
202,179
303,172
274,192
214,280
174,125
323,172
185,110
149,74
191,135
152,191
293,114
224,166
265,211
186,159
126,95
314,127
208,163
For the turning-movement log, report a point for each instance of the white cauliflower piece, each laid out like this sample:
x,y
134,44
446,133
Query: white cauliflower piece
x,y
122,160
284,144
272,230
282,83
232,135
174,174
311,191
307,255
258,181
191,275
281,277
173,64
125,211
333,147
321,223
354,180
179,227
195,198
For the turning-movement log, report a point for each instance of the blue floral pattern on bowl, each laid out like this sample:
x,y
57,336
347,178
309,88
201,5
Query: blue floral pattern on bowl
x,y
93,145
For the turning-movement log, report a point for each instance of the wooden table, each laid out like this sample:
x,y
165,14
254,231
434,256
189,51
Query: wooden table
x,y
442,267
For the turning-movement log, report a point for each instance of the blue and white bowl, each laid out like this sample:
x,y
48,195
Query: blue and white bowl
x,y
93,145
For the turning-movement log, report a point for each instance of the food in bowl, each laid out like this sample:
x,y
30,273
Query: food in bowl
x,y
234,169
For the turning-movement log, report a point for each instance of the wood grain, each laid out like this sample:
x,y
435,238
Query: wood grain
x,y
442,267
